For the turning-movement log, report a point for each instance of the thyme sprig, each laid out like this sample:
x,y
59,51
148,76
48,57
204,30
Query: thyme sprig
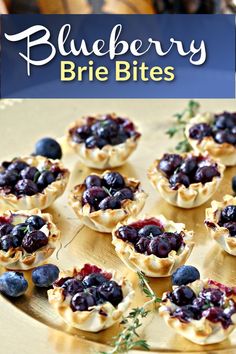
x,y
180,125
129,338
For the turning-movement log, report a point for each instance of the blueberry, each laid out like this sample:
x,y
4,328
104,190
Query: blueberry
x,y
225,120
189,165
35,221
13,284
169,163
223,136
124,194
29,173
179,178
186,313
142,245
73,286
93,142
8,241
105,129
231,226
81,133
234,184
17,165
9,178
216,314
5,229
206,174
93,196
111,292
185,275
109,203
113,180
26,187
159,247
200,131
228,213
213,295
34,240
20,230
150,230
45,275
82,302
46,178
93,181
128,233
182,295
94,279
48,147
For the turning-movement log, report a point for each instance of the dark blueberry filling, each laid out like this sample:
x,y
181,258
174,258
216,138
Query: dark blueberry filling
x,y
105,131
223,129
18,178
228,219
210,303
149,237
185,171
90,287
26,235
106,193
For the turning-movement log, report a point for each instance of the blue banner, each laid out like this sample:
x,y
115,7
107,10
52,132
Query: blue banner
x,y
117,56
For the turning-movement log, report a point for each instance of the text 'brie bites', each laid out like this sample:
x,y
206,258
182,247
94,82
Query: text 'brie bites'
x,y
104,200
103,141
187,180
27,238
91,299
221,221
203,312
31,182
215,134
156,246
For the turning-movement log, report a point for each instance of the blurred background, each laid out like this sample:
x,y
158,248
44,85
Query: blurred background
x,y
118,6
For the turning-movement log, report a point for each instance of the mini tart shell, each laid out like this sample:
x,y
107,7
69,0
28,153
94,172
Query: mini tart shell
x,y
200,331
18,258
106,220
100,316
40,200
193,196
219,233
151,265
109,156
225,153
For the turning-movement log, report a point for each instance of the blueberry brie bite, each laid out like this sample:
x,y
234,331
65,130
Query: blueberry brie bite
x,y
104,200
103,141
215,134
90,299
221,221
187,180
156,246
204,311
31,182
27,238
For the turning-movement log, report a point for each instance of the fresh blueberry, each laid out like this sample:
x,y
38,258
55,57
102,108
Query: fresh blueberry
x,y
13,284
113,180
45,275
150,230
46,178
82,302
35,221
110,291
182,295
185,275
93,181
94,279
109,203
124,194
26,187
48,147
34,240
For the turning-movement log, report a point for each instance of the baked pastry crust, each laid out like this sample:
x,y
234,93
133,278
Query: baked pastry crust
x,y
18,258
225,153
100,316
200,331
193,196
106,220
151,265
219,233
109,156
40,200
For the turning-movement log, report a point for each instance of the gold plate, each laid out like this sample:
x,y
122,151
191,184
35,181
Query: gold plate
x,y
29,324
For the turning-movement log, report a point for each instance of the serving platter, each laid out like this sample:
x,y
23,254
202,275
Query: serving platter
x,y
29,323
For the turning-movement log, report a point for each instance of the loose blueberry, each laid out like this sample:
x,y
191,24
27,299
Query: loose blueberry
x,y
109,203
185,275
13,284
113,180
45,179
26,187
45,275
82,302
111,292
48,147
34,240
93,181
150,230
35,221
94,279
